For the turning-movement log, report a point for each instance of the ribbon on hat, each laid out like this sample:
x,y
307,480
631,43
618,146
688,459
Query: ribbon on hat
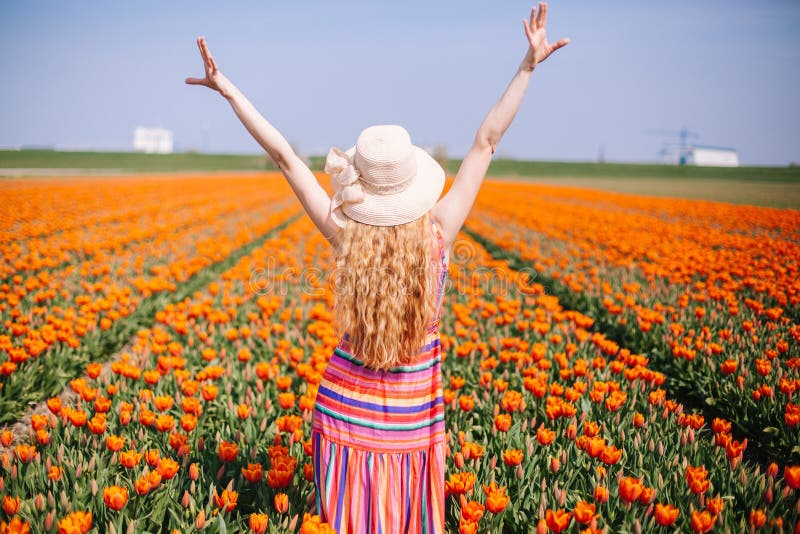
x,y
347,188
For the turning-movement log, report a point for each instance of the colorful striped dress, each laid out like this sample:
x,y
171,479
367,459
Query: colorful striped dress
x,y
378,439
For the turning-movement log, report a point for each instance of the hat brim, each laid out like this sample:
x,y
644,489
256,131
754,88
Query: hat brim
x,y
405,206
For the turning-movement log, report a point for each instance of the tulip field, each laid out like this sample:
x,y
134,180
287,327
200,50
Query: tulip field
x,y
612,363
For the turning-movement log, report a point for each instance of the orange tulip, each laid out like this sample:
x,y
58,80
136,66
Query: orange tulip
x,y
467,527
472,511
312,524
200,520
25,452
178,441
163,402
130,459
665,514
165,423
595,446
244,355
460,483
167,468
54,473
253,473
791,475
228,451
591,429
154,478
191,405
714,506
728,366
97,424
38,422
584,512
308,472
496,498
227,501
502,422
757,518
10,505
772,470
696,477
289,423
466,402
472,451
638,420
511,401
557,520
194,471
125,417
279,478
15,526
545,436
281,503
283,382
142,486
457,382
209,392
188,422
6,438
258,523
512,457
152,457
647,495
146,417
702,521
286,400
114,443
42,437
54,404
611,455
720,426
630,489
115,497
76,522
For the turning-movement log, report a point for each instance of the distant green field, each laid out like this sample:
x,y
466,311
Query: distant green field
x,y
558,169
137,162
131,161
764,186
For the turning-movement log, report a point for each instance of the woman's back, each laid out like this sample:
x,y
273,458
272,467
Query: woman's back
x,y
379,437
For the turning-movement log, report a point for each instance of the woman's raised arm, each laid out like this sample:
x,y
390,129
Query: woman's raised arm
x,y
312,196
451,210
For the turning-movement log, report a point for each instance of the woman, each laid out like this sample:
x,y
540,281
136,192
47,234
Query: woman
x,y
378,426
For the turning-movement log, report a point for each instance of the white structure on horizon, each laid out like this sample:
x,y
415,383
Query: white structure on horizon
x,y
152,140
712,156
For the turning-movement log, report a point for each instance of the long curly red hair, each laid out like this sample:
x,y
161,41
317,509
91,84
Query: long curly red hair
x,y
384,290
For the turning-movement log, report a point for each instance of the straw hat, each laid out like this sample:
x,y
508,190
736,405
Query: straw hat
x,y
384,180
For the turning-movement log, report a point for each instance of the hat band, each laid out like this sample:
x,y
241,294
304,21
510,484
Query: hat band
x,y
387,189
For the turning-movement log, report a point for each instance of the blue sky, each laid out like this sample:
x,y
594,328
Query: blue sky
x,y
83,74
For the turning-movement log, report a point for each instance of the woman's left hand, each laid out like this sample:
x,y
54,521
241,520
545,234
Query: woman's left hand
x,y
539,49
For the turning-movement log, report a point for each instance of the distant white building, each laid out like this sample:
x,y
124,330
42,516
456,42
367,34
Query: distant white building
x,y
712,156
152,140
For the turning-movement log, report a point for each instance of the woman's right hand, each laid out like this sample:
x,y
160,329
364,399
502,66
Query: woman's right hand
x,y
214,78
535,30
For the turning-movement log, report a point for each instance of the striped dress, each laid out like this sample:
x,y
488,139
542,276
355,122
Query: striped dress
x,y
378,439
